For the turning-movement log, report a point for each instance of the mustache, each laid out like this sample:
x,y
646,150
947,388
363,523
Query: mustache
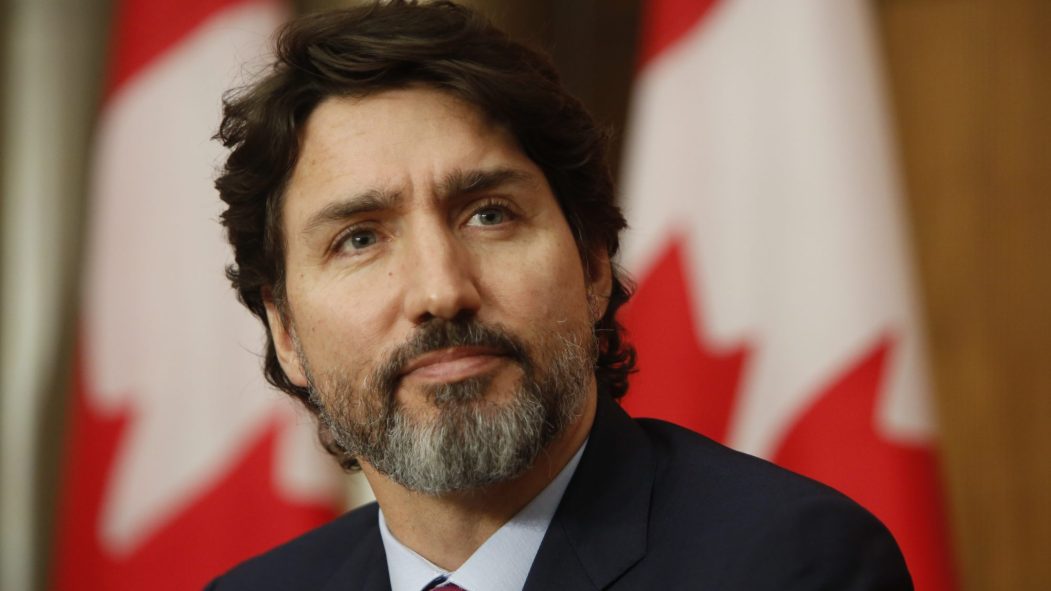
x,y
439,333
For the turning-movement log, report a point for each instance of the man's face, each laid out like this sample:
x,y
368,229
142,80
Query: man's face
x,y
436,302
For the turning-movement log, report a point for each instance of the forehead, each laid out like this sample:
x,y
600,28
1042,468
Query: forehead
x,y
397,139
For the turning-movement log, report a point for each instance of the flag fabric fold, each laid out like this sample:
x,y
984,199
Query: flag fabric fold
x,y
180,460
775,308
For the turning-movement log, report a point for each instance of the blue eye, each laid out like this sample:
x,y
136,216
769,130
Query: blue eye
x,y
488,216
359,240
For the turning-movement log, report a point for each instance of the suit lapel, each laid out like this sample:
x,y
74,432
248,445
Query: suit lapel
x,y
365,568
599,530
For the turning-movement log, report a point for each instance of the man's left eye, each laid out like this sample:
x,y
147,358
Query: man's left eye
x,y
488,216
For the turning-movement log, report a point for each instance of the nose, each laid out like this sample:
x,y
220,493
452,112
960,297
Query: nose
x,y
442,280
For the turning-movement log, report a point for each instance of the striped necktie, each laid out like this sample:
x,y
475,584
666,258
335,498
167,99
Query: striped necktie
x,y
439,584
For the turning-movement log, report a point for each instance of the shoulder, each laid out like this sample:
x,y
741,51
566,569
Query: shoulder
x,y
308,561
763,524
689,466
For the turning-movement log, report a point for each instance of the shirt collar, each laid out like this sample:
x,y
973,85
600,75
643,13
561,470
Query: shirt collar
x,y
502,563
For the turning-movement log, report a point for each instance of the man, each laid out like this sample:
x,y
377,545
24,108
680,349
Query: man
x,y
423,219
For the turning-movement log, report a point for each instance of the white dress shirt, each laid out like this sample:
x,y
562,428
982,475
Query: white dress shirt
x,y
502,563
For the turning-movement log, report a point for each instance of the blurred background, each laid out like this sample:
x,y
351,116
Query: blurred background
x,y
968,85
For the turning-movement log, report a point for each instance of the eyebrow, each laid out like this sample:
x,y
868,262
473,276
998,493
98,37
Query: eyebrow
x,y
361,203
456,182
461,182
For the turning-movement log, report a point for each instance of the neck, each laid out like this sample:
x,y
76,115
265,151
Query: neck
x,y
447,529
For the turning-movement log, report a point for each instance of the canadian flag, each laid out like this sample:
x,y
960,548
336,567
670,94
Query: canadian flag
x,y
180,460
774,309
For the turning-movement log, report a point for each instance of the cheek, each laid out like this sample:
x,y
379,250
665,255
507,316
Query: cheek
x,y
340,327
542,283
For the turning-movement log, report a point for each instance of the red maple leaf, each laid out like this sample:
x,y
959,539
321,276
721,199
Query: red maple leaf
x,y
681,378
684,380
236,517
837,441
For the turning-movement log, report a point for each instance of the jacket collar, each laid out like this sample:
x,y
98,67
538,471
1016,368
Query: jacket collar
x,y
366,565
599,530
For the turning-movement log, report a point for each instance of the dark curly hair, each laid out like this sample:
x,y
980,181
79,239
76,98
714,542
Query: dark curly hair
x,y
382,46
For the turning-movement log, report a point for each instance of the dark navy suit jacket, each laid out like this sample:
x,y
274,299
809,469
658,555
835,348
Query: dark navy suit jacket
x,y
651,506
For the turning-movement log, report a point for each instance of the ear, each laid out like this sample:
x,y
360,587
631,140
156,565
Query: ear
x,y
599,283
283,334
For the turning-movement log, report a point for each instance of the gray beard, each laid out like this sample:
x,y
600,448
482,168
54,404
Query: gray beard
x,y
470,442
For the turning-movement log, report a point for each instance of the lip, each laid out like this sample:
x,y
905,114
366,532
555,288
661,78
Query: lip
x,y
453,364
